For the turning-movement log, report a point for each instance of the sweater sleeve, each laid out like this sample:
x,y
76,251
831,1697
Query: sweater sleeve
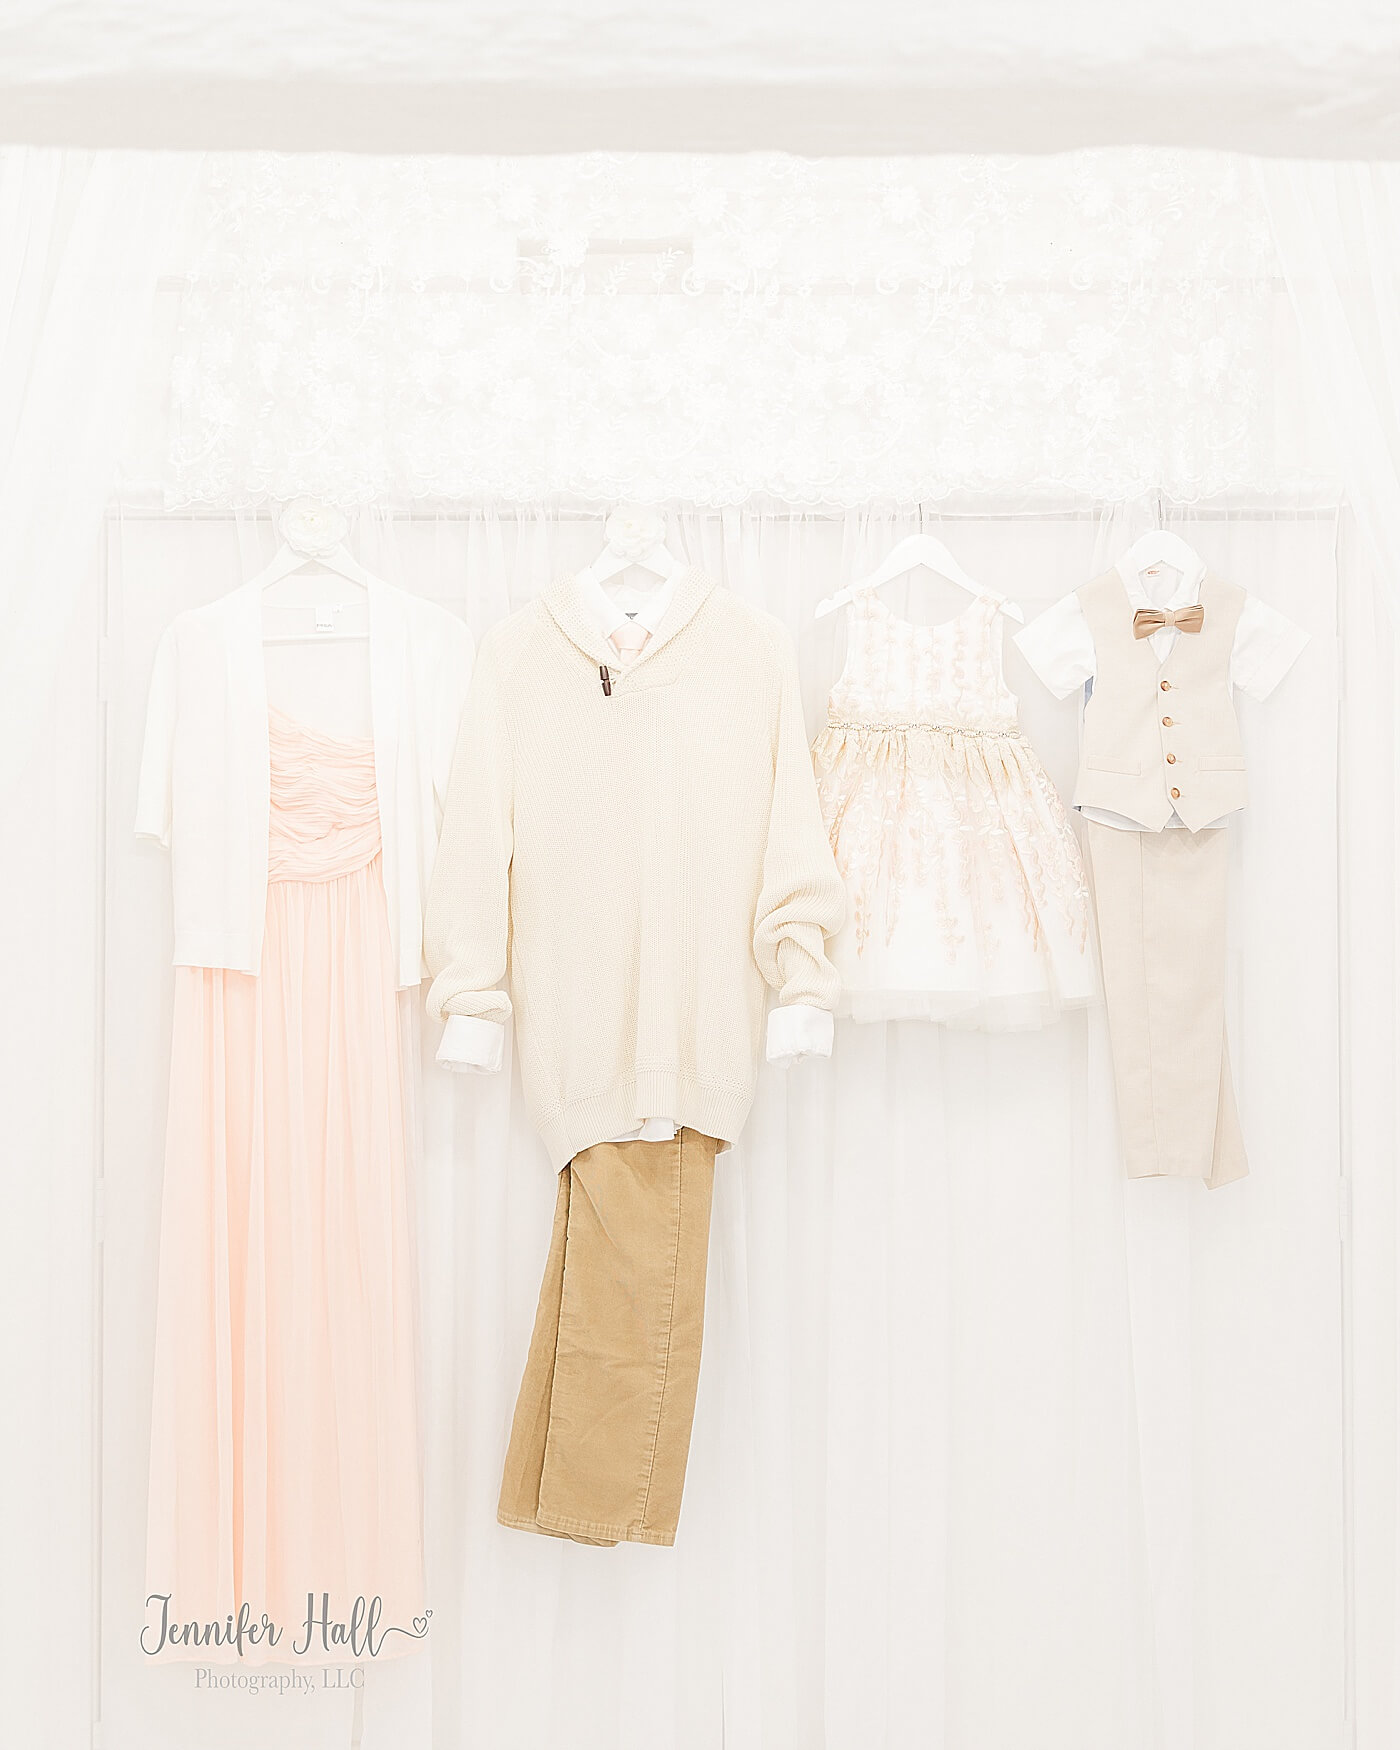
x,y
467,926
802,901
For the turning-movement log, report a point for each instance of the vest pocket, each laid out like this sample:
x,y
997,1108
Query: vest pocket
x,y
1220,762
1124,768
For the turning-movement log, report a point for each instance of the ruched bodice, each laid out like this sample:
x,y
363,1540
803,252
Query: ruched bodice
x,y
324,809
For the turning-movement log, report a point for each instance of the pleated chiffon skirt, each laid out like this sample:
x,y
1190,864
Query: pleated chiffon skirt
x,y
285,1454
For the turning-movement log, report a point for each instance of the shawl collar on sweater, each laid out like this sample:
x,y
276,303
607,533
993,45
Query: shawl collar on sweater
x,y
577,622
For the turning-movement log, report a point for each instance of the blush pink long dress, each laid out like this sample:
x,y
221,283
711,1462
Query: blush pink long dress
x,y
285,1451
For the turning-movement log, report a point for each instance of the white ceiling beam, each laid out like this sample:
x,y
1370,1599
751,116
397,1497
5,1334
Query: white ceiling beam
x,y
1305,78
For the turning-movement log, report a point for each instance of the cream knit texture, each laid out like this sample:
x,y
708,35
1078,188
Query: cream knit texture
x,y
629,871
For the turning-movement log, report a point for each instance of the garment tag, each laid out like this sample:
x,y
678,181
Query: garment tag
x,y
325,618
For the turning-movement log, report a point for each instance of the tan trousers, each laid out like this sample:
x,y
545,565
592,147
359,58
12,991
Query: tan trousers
x,y
601,1433
1160,899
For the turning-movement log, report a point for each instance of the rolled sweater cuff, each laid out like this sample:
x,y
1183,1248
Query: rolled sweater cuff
x,y
800,972
448,997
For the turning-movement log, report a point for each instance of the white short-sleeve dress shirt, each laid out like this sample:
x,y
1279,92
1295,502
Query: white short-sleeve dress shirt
x,y
1059,646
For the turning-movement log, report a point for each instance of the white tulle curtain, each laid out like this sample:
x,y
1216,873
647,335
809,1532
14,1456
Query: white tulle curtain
x,y
991,1448
84,239
1339,249
1337,232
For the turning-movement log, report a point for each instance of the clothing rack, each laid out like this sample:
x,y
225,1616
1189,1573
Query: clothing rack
x,y
1320,509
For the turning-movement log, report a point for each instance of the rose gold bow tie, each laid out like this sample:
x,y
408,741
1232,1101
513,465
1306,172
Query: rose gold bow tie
x,y
1146,621
629,638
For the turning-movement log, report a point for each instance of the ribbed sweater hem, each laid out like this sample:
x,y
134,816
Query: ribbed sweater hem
x,y
713,1108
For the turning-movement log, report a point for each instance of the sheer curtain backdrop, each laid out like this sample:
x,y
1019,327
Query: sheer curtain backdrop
x,y
1339,250
993,1450
1336,231
84,238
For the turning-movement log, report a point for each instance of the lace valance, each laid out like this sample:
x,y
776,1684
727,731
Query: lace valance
x,y
708,328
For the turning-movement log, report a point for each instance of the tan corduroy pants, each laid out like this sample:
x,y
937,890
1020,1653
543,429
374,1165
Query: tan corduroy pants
x,y
601,1433
1160,900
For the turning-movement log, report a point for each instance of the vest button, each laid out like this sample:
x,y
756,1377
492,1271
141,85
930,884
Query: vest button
x,y
1166,686
1175,795
1171,759
1166,723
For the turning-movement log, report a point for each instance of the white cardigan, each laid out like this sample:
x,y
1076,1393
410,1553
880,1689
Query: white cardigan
x,y
204,786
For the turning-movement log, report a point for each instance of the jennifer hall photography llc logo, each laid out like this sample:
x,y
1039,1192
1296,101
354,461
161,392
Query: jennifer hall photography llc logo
x,y
360,1634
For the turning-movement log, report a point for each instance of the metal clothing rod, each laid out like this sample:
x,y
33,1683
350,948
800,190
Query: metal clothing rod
x,y
1253,511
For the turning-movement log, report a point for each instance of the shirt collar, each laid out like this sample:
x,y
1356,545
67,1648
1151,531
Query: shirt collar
x,y
1186,591
573,609
608,616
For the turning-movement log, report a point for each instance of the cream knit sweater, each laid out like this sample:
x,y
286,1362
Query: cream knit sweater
x,y
636,866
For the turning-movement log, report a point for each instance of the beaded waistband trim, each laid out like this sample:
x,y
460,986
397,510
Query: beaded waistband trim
x,y
927,728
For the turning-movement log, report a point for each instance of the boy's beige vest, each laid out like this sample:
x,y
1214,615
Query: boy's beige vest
x,y
1159,737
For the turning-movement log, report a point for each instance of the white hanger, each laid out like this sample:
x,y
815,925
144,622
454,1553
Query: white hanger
x,y
915,550
659,560
1161,547
634,535
304,525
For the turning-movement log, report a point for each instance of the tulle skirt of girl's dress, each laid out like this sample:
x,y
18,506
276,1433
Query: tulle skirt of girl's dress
x,y
968,901
285,1452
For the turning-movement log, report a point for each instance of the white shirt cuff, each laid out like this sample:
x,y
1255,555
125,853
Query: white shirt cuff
x,y
470,1043
799,1030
